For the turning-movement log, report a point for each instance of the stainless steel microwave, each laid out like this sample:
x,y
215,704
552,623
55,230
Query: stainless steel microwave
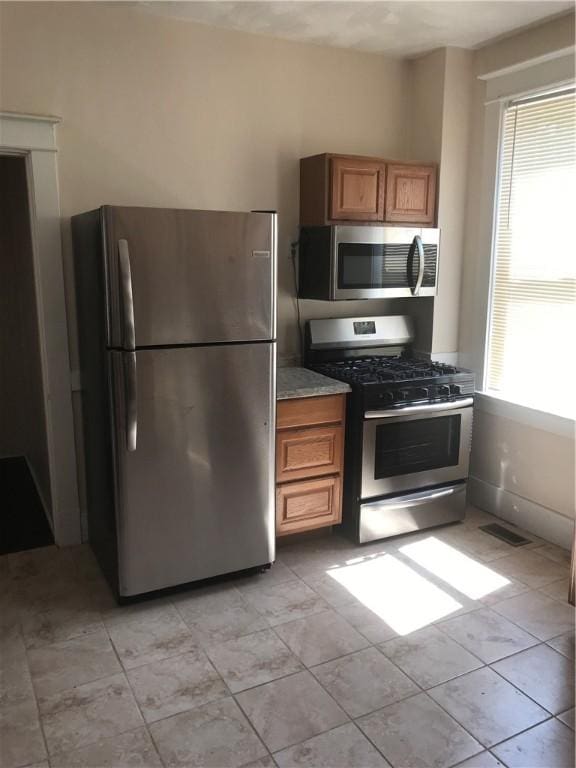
x,y
366,262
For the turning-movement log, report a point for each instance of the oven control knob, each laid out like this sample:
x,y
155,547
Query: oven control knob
x,y
444,390
403,394
455,389
387,397
420,392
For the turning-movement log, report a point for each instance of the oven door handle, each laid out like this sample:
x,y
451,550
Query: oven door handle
x,y
410,409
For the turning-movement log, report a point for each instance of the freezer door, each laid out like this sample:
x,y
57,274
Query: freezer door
x,y
189,277
194,433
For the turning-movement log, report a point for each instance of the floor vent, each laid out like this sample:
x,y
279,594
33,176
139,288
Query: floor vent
x,y
514,539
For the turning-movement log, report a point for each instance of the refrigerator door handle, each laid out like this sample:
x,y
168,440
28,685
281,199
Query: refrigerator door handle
x,y
128,329
130,399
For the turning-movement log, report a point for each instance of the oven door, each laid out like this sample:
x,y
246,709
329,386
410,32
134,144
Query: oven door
x,y
418,447
383,262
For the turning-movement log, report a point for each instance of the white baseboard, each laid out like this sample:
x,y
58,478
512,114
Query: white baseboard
x,y
533,517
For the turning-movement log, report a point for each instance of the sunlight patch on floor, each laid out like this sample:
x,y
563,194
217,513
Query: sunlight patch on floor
x,y
394,592
455,568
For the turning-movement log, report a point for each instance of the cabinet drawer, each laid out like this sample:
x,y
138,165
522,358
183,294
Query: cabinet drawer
x,y
308,452
310,411
308,504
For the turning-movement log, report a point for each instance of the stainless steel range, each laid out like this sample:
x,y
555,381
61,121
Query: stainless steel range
x,y
409,426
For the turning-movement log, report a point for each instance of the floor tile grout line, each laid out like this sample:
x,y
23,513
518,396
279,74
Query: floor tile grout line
x,y
324,733
66,640
485,749
370,643
136,702
449,713
188,709
538,641
483,664
97,741
35,693
520,733
122,671
252,725
101,738
424,688
519,689
421,689
515,622
562,601
446,634
413,695
466,729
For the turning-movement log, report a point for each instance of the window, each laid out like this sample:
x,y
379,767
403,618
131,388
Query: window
x,y
532,322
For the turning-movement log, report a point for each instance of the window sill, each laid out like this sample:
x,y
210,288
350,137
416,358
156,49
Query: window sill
x,y
532,417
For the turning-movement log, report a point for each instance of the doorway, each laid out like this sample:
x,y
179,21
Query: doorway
x,y
25,491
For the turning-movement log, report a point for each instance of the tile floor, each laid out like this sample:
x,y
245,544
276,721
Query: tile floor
x,y
444,648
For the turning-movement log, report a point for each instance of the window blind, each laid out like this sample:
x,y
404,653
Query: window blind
x,y
532,319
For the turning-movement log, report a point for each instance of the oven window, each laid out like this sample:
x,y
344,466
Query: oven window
x,y
416,446
384,265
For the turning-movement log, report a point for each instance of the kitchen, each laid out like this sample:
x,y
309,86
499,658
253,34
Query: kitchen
x,y
248,108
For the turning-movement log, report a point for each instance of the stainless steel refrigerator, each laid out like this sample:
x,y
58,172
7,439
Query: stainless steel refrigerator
x,y
176,320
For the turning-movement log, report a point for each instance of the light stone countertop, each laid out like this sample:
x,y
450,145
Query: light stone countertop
x,y
294,382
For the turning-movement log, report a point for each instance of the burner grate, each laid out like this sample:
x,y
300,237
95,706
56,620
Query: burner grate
x,y
366,370
514,539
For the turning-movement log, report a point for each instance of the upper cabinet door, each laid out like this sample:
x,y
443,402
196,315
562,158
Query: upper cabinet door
x,y
189,277
357,189
411,193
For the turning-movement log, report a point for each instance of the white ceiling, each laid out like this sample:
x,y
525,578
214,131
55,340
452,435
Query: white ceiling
x,y
400,28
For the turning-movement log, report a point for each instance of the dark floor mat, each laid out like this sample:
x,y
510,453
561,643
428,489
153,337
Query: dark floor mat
x,y
23,524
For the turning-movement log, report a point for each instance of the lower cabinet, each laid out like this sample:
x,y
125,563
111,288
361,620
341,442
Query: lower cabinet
x,y
309,463
308,504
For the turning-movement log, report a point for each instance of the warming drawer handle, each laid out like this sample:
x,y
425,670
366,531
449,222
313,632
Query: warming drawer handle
x,y
128,330
130,399
420,499
398,413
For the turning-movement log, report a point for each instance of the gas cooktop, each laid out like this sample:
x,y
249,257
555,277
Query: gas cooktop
x,y
370,370
375,357
386,381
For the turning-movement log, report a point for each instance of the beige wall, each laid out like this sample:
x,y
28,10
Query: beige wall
x,y
542,40
22,417
165,112
427,79
533,463
440,131
458,80
528,469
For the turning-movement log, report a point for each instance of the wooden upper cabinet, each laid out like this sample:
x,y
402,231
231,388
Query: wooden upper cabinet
x,y
411,193
357,189
338,188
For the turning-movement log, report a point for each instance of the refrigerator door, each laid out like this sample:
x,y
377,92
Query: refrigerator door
x,y
189,277
194,445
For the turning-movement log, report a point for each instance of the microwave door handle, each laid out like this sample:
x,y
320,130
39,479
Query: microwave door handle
x,y
128,329
416,245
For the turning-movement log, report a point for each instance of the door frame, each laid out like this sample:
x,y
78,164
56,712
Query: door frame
x,y
33,138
